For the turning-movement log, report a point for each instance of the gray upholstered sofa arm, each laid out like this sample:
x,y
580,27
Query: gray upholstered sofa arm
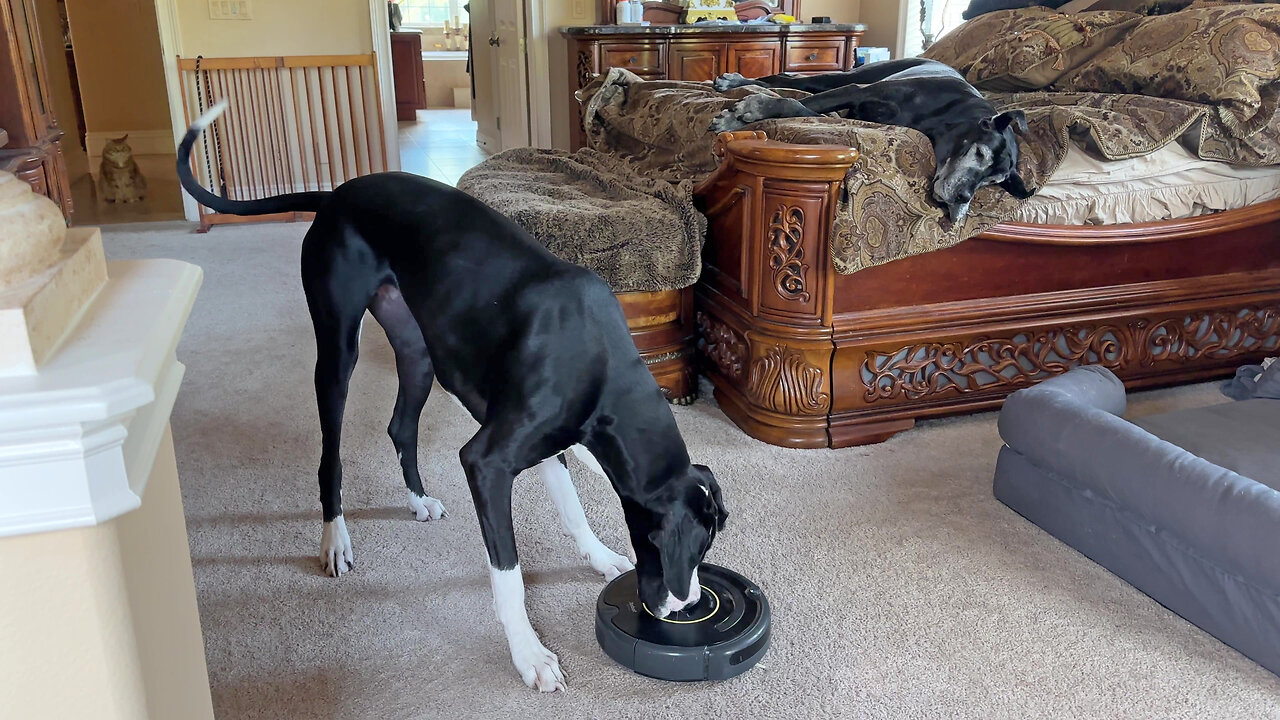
x,y
1070,428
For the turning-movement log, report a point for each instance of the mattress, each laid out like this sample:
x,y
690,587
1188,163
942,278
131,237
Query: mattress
x,y
1167,184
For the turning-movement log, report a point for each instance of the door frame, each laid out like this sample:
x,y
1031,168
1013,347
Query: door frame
x,y
537,57
379,18
171,49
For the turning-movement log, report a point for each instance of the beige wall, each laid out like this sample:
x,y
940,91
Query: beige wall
x,y
557,14
841,11
64,107
118,61
278,27
883,18
101,622
442,76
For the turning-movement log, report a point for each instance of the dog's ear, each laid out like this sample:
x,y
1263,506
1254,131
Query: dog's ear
x,y
1015,187
714,503
1010,118
680,543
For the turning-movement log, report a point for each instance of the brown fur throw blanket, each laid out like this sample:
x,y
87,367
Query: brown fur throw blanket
x,y
595,210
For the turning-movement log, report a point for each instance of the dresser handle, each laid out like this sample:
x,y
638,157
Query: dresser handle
x,y
632,60
813,56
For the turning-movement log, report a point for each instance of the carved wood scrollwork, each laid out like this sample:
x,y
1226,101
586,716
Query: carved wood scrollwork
x,y
783,381
585,71
786,253
1216,334
721,345
916,371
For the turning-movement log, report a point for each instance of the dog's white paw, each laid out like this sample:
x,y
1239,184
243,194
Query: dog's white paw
x,y
743,113
729,81
425,507
726,121
538,666
607,562
336,553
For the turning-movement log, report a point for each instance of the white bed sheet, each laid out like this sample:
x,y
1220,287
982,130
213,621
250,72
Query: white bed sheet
x,y
1167,184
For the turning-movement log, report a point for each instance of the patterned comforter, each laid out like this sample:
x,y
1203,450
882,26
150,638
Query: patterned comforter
x,y
659,129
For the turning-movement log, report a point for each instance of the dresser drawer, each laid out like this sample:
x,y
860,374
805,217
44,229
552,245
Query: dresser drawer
x,y
815,56
643,59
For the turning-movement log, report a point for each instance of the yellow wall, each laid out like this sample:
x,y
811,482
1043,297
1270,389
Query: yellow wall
x,y
64,107
278,27
118,61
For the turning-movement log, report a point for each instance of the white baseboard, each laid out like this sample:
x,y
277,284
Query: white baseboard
x,y
489,144
143,142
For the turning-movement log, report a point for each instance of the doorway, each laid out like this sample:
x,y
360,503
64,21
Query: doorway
x,y
500,51
439,139
108,87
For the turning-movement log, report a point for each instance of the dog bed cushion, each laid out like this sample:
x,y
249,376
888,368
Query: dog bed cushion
x,y
1241,436
1198,537
638,233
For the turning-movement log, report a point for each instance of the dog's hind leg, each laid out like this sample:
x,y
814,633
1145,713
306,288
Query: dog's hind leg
x,y
338,288
413,366
555,474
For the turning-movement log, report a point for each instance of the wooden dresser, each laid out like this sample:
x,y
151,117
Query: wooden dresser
x,y
34,150
697,53
407,70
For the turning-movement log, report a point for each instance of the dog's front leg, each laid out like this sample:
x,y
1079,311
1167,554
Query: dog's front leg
x,y
490,481
538,666
565,496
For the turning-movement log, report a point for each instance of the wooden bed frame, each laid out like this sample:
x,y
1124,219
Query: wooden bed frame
x,y
802,356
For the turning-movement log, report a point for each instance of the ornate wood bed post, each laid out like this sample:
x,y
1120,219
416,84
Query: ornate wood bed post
x,y
765,301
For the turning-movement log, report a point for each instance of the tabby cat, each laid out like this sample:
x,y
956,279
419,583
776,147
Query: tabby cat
x,y
119,179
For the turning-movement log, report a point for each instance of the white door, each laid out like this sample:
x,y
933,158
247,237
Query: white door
x,y
484,108
511,78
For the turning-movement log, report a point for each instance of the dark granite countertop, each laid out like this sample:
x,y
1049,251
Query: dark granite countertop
x,y
594,30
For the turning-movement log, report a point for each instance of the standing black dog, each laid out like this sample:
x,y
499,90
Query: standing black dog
x,y
536,349
973,145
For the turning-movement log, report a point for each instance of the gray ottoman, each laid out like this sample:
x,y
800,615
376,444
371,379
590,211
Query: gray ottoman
x,y
1184,506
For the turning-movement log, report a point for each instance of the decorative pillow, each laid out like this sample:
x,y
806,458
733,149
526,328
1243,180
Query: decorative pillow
x,y
1043,50
1224,55
961,47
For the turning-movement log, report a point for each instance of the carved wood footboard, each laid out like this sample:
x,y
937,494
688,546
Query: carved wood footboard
x,y
802,356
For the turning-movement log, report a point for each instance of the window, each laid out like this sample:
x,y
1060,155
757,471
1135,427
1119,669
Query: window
x,y
939,17
434,13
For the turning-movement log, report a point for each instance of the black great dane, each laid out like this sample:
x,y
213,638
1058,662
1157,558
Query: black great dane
x,y
536,349
973,145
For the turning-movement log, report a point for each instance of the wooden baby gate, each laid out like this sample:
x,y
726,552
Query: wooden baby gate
x,y
294,124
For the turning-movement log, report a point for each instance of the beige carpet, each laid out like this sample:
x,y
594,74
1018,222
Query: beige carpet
x,y
900,587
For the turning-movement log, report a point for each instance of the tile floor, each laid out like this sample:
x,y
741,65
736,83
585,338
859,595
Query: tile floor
x,y
441,145
163,200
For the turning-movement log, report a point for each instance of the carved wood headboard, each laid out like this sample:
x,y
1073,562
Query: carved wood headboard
x,y
659,12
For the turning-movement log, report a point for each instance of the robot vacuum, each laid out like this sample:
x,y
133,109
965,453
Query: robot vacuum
x,y
720,636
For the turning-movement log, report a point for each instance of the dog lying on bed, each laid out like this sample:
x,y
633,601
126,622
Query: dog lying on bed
x,y
973,145
536,349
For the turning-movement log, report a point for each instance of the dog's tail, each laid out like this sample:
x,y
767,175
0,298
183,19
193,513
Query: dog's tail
x,y
293,202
